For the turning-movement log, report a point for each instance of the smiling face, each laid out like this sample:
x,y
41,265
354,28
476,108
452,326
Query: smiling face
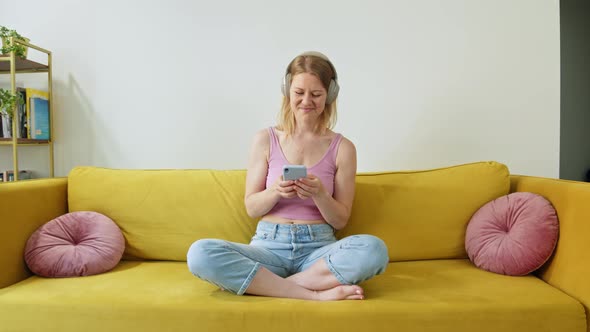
x,y
307,95
305,101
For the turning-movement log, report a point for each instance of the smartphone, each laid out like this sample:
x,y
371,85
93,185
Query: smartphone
x,y
294,172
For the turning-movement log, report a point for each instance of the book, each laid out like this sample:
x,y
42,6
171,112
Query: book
x,y
6,125
8,176
22,119
1,126
30,95
39,116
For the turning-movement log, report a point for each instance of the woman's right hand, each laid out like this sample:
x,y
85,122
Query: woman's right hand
x,y
285,189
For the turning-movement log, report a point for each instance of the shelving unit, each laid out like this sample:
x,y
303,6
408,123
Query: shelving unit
x,y
12,65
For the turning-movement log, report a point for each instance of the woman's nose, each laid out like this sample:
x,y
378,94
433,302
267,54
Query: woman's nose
x,y
307,98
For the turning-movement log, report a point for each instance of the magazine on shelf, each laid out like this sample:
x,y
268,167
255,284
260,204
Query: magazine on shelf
x,y
37,108
39,118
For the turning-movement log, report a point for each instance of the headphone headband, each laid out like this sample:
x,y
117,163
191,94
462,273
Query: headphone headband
x,y
333,88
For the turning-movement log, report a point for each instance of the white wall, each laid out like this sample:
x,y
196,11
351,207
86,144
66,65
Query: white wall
x,y
185,84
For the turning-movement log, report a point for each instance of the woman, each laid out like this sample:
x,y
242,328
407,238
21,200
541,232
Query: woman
x,y
294,252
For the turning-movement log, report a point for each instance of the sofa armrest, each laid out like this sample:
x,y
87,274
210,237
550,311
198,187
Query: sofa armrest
x,y
24,206
569,267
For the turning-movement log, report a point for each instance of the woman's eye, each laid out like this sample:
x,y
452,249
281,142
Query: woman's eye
x,y
317,95
298,93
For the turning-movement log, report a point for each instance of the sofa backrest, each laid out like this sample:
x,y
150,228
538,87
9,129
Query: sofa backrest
x,y
419,214
162,212
424,214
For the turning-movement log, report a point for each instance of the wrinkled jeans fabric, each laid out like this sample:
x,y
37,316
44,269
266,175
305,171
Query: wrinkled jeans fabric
x,y
286,250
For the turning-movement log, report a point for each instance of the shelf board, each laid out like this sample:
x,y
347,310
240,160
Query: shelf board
x,y
22,66
24,141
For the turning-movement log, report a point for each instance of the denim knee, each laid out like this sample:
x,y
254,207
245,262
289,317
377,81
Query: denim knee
x,y
200,260
360,258
222,264
375,257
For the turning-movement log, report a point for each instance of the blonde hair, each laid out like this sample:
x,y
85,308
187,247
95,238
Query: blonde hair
x,y
321,69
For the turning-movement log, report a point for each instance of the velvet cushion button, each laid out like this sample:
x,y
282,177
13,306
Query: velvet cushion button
x,y
75,244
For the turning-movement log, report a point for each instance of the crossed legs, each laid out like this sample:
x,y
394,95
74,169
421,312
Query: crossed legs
x,y
329,273
315,283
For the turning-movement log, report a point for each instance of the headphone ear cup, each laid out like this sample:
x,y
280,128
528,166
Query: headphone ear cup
x,y
285,87
333,90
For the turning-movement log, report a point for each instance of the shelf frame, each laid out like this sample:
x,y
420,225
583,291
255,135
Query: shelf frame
x,y
12,65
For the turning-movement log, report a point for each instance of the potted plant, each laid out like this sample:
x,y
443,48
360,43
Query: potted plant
x,y
8,103
8,46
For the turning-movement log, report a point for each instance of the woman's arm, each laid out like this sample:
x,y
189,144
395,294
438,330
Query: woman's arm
x,y
335,209
259,199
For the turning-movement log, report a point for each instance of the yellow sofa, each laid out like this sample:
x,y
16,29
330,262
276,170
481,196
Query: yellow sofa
x,y
429,285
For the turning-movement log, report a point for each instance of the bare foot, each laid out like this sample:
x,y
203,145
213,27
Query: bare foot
x,y
342,292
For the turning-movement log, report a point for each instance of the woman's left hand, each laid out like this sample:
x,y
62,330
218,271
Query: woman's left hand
x,y
308,187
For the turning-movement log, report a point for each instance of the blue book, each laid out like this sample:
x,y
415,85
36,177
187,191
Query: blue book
x,y
39,118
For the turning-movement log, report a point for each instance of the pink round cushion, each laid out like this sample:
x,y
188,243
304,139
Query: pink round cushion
x,y
513,235
75,244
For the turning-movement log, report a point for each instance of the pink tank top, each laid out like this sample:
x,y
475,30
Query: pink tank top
x,y
325,169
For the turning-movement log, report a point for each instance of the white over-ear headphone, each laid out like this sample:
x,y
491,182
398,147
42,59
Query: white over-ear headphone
x,y
332,89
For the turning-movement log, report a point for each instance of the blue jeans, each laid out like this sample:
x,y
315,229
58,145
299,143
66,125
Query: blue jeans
x,y
286,250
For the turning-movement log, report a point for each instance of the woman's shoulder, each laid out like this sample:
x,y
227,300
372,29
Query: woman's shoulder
x,y
261,137
344,141
346,148
260,144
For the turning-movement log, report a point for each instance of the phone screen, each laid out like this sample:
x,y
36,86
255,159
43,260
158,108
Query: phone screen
x,y
294,172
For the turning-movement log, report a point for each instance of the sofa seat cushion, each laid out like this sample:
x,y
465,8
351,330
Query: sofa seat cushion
x,y
437,295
